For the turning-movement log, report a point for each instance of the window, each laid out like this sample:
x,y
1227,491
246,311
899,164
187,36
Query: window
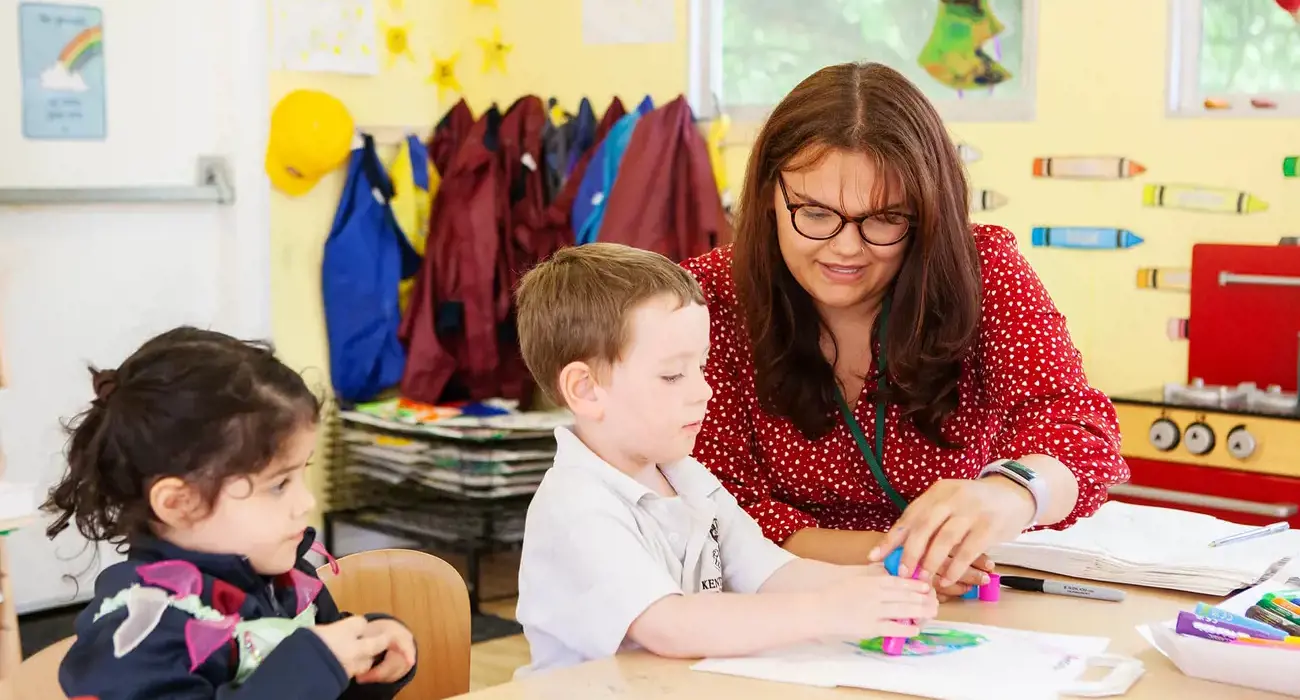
x,y
1233,58
973,58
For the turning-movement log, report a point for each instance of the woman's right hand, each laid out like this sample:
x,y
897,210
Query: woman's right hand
x,y
877,605
355,653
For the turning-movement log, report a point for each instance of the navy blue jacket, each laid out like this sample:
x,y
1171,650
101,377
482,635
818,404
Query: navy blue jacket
x,y
300,668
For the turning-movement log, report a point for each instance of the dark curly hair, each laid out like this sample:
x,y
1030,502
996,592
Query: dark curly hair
x,y
194,404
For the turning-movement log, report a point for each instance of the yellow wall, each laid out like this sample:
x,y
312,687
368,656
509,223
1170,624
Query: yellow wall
x,y
1100,91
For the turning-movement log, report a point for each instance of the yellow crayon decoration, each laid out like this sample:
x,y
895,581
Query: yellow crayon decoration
x,y
1165,278
1196,198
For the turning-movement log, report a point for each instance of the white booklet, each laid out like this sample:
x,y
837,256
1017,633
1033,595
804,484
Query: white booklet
x,y
1011,665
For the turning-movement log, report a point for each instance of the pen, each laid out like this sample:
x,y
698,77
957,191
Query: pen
x,y
1252,534
1078,590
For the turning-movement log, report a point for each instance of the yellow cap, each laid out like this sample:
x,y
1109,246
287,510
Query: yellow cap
x,y
311,134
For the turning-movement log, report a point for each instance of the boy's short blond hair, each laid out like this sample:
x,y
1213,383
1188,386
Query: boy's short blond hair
x,y
574,306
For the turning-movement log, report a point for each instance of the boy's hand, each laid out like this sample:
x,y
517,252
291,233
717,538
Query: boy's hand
x,y
877,606
355,652
400,648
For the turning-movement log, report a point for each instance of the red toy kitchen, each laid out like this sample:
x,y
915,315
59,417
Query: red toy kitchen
x,y
1226,442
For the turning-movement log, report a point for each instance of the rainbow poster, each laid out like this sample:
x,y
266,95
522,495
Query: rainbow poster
x,y
62,56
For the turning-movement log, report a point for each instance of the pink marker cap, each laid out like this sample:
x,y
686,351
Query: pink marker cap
x,y
991,592
892,646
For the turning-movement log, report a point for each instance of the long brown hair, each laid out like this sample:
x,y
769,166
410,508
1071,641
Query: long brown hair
x,y
871,109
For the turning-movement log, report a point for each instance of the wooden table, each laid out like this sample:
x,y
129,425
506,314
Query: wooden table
x,y
641,676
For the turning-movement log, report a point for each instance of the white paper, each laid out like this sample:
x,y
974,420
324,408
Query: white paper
x,y
629,21
329,36
1042,664
1235,664
1172,552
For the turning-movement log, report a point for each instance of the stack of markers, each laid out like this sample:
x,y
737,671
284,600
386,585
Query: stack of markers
x,y
1273,621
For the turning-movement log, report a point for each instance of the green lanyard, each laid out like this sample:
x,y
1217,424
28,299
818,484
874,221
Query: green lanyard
x,y
874,457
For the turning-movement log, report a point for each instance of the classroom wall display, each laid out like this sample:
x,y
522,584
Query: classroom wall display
x,y
968,153
1199,198
954,54
1178,279
494,51
490,4
397,42
1084,237
629,21
61,49
985,200
325,36
1290,166
444,74
1177,329
1087,167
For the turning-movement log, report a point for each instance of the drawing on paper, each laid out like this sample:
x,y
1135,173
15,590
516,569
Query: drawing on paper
x,y
985,200
1087,167
61,50
930,642
1207,199
954,54
494,51
1176,279
1084,237
325,36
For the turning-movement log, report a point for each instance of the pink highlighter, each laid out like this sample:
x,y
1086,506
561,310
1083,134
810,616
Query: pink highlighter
x,y
893,646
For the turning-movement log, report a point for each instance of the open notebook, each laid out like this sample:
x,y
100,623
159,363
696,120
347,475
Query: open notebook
x,y
1148,546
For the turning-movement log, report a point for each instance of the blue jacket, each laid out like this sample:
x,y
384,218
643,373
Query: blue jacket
x,y
298,668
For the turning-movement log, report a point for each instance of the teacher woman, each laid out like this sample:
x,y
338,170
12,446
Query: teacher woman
x,y
879,364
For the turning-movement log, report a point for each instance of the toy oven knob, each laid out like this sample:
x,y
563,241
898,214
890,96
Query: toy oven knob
x,y
1198,438
1163,434
1241,443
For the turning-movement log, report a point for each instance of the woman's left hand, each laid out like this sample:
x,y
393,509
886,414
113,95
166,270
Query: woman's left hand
x,y
954,522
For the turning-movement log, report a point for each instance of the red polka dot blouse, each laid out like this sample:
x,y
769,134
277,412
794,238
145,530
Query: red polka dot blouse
x,y
1022,392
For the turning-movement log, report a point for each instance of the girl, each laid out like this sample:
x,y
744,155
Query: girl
x,y
192,458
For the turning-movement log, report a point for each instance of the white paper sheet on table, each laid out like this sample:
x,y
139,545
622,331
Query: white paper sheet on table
x,y
1235,664
1019,664
1172,552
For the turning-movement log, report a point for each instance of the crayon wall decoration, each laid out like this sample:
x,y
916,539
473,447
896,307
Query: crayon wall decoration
x,y
1177,329
1083,237
984,200
1196,198
1087,167
1291,166
1165,278
968,153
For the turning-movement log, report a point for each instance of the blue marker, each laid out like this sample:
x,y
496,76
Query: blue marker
x,y
895,557
1091,237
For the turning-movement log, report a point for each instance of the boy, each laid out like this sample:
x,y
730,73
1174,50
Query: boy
x,y
629,542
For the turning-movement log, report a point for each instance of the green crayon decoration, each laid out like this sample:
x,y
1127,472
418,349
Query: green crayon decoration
x,y
1290,166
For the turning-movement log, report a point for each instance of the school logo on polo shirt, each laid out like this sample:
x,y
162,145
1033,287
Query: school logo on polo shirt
x,y
713,584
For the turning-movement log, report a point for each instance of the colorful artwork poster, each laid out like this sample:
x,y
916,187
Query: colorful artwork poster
x,y
61,49
325,36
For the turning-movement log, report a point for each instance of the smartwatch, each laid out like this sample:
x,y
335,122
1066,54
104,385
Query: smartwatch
x,y
1024,476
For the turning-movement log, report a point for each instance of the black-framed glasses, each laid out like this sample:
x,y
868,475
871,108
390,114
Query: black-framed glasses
x,y
816,222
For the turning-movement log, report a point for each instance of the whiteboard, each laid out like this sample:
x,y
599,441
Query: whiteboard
x,y
88,283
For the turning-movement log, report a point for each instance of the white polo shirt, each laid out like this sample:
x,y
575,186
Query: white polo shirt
x,y
599,548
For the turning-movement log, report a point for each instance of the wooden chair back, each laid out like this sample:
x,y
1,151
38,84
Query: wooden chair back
x,y
37,677
428,595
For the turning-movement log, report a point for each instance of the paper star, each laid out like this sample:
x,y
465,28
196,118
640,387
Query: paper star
x,y
494,51
397,39
485,3
444,74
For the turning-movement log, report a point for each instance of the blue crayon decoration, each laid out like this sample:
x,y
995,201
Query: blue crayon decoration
x,y
1089,237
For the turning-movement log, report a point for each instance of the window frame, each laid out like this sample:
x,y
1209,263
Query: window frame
x,y
1183,93
704,73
